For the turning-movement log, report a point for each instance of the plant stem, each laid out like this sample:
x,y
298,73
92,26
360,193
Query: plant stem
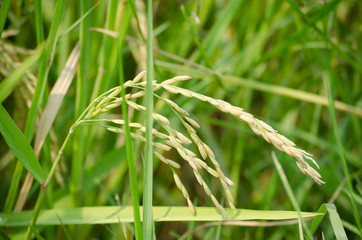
x,y
129,147
328,82
291,196
40,200
39,203
148,163
4,8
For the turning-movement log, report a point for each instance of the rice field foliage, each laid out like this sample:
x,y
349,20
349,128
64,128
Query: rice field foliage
x,y
251,112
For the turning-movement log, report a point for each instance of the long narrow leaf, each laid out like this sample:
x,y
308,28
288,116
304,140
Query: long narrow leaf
x,y
148,224
19,145
334,218
336,222
56,98
107,215
4,8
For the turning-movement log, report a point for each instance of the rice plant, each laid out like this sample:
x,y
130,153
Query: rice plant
x,y
173,152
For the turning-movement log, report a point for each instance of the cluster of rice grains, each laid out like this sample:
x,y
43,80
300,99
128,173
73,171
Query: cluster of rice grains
x,y
176,140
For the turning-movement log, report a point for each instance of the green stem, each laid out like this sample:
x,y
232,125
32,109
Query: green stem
x,y
44,186
131,165
148,163
290,194
39,203
337,135
4,8
38,22
129,147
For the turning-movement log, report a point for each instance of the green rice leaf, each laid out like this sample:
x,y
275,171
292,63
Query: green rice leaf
x,y
334,219
19,145
4,8
110,215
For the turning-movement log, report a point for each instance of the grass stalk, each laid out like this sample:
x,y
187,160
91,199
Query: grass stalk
x,y
131,162
39,28
332,111
10,198
148,161
129,142
4,8
290,194
38,205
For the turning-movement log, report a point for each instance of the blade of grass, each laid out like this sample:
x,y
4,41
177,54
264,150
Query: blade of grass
x,y
290,193
39,28
351,227
131,165
129,141
20,146
148,161
4,8
79,21
64,228
328,83
334,218
10,198
114,214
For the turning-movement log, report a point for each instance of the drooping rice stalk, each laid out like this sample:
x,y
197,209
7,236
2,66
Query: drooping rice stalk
x,y
173,138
